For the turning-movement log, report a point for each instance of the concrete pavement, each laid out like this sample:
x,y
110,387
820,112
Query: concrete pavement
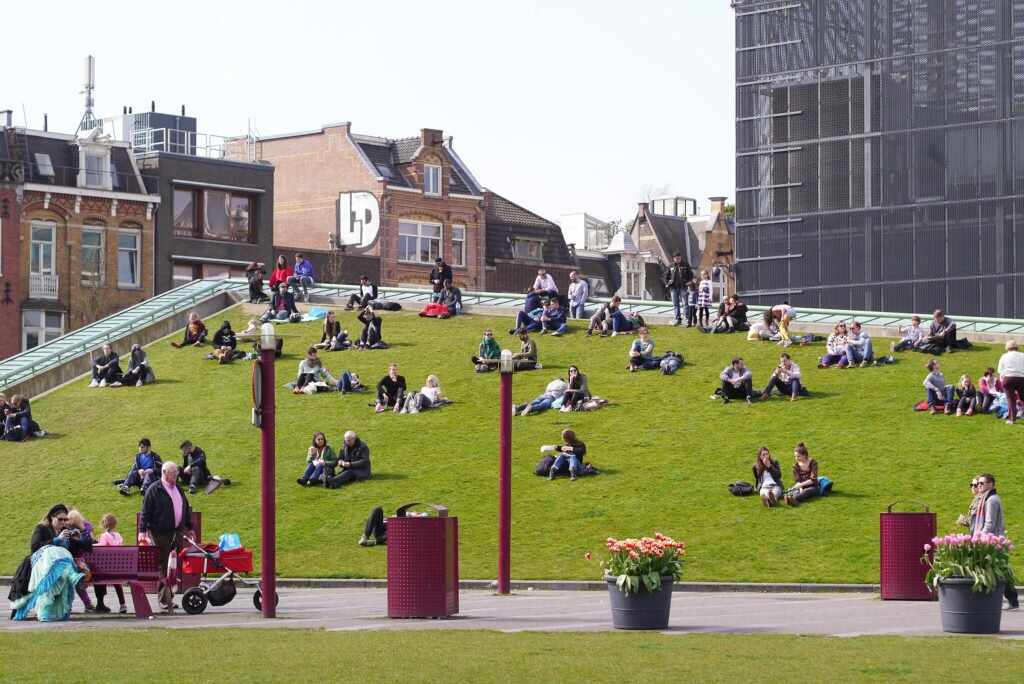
x,y
833,614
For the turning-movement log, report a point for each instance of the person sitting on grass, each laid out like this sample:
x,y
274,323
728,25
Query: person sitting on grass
x,y
195,333
570,456
913,336
224,343
194,468
719,322
527,320
18,424
390,390
619,322
767,478
764,328
786,379
526,357
281,273
333,337
311,370
935,387
988,385
450,297
371,336
941,334
488,355
367,293
354,461
805,477
733,317
320,461
106,368
282,305
577,390
429,396
858,347
598,319
543,286
737,382
257,295
554,390
967,396
836,347
553,318
145,469
641,353
139,372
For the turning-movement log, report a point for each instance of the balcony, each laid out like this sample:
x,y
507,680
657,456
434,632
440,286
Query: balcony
x,y
43,286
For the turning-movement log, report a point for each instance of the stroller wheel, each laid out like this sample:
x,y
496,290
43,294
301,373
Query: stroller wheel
x,y
257,599
194,601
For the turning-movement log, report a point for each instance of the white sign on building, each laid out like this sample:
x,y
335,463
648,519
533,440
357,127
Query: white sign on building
x,y
358,218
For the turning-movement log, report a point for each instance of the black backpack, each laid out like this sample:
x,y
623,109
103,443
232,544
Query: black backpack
x,y
741,489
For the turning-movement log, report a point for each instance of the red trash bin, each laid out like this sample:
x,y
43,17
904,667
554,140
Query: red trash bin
x,y
423,564
903,536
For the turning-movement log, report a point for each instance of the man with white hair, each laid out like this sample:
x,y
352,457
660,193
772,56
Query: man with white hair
x,y
353,460
165,514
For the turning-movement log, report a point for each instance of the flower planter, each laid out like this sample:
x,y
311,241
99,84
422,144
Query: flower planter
x,y
643,609
968,612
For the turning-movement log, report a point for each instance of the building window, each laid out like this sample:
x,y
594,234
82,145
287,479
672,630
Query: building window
x,y
44,165
419,242
183,274
128,259
40,327
529,249
94,170
595,238
431,180
92,254
41,251
631,279
458,255
598,286
213,215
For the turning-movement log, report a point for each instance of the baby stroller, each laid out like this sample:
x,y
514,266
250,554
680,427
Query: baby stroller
x,y
209,559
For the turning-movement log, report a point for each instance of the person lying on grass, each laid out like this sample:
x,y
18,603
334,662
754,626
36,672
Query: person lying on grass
x,y
555,389
429,396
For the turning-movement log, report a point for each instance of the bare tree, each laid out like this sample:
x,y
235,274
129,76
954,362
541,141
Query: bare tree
x,y
94,297
332,270
649,191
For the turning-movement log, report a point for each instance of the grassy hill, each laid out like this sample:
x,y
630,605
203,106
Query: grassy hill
x,y
666,451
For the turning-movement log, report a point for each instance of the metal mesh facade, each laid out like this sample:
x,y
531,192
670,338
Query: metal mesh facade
x,y
880,154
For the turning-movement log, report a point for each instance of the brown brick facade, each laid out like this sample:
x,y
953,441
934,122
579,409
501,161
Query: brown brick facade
x,y
10,267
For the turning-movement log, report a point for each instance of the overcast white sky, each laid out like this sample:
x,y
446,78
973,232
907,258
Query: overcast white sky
x,y
561,106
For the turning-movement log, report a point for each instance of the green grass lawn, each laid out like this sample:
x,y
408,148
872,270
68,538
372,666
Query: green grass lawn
x,y
666,451
478,656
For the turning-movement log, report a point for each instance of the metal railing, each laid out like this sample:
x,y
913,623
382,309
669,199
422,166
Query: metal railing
x,y
69,177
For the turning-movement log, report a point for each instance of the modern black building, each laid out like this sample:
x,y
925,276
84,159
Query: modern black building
x,y
215,216
880,154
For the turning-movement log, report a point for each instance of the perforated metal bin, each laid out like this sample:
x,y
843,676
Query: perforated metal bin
x,y
423,564
902,540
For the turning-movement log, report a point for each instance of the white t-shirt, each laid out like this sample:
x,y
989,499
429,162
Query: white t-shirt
x,y
431,393
546,283
767,480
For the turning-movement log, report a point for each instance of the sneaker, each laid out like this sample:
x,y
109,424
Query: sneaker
x,y
661,371
556,334
122,609
1009,422
475,359
948,410
89,608
544,331
615,333
590,333
102,609
725,400
191,489
772,499
931,410
302,481
539,366
397,408
362,540
572,474
970,412
379,409
125,491
892,347
526,411
176,345
103,383
94,384
750,400
791,500
764,500
1012,606
511,331
864,363
551,474
959,412
786,343
949,350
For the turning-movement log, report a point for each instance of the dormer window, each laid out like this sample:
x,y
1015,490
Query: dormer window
x,y
94,170
44,165
431,180
94,162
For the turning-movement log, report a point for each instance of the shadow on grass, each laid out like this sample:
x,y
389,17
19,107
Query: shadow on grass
x,y
844,494
389,476
167,381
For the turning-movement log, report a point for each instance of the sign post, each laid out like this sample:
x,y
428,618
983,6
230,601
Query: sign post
x,y
264,418
506,366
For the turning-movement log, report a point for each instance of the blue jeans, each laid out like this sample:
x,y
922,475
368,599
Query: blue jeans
x,y
524,322
620,322
933,397
303,281
559,464
539,404
644,363
670,364
578,310
345,382
560,327
679,298
12,421
134,479
272,316
313,472
856,355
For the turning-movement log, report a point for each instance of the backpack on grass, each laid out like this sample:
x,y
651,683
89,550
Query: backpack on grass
x,y
741,489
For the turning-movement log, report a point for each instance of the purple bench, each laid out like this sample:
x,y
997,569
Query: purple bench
x,y
136,566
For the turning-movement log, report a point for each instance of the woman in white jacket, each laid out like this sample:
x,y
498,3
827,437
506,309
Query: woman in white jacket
x,y
1011,373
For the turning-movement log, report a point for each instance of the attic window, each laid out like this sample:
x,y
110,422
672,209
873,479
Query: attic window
x,y
385,171
529,249
44,165
431,180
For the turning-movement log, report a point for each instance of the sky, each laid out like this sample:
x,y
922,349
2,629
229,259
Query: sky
x,y
561,106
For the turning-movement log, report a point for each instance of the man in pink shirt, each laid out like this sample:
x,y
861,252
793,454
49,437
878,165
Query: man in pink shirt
x,y
165,514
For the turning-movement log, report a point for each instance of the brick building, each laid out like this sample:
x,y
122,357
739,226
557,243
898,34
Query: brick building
x,y
12,173
86,231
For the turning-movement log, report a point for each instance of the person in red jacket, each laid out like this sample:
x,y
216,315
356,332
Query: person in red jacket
x,y
282,271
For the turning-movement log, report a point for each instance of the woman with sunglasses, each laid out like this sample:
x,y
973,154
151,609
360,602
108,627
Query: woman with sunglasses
x,y
577,391
488,354
836,347
51,566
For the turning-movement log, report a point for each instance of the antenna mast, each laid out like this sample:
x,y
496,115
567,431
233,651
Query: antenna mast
x,y
89,121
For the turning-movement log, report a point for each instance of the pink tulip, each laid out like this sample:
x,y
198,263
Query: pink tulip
x,y
587,556
927,548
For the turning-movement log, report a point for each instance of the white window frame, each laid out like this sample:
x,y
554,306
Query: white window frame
x,y
526,242
42,330
431,254
96,276
137,234
52,225
432,180
458,255
100,152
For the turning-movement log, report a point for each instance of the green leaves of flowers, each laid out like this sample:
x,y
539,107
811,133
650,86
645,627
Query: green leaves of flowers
x,y
645,560
984,558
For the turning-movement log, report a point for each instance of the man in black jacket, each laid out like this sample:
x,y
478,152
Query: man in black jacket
x,y
367,293
194,471
438,275
165,514
282,304
679,273
354,462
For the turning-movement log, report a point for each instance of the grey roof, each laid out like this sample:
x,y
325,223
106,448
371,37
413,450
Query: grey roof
x,y
672,233
507,220
405,149
388,158
64,159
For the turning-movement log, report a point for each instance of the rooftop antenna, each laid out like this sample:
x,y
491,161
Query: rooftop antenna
x,y
89,121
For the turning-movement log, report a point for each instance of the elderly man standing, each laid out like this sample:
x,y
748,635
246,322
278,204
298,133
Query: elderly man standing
x,y
165,514
353,461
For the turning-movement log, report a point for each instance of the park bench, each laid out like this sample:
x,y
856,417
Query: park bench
x,y
136,566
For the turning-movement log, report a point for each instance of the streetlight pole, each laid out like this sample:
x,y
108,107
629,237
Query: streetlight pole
x,y
507,366
268,584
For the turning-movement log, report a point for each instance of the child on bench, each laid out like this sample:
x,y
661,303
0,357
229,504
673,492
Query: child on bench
x,y
110,537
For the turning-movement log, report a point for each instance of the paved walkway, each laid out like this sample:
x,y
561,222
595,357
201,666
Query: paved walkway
x,y
849,614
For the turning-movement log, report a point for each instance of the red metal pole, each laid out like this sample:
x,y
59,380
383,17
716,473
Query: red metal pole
x,y
268,585
505,485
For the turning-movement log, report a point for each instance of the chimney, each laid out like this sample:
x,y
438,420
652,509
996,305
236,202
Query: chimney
x,y
644,207
183,110
46,122
718,204
431,137
7,114
152,105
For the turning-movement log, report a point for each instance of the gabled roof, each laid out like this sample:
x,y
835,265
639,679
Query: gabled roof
x,y
64,159
622,242
388,156
674,232
507,220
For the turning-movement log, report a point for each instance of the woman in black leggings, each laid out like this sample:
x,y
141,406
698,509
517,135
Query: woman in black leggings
x,y
805,477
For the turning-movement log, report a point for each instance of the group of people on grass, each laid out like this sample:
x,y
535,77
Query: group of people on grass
x,y
738,381
999,389
147,466
16,414
333,469
297,279
768,484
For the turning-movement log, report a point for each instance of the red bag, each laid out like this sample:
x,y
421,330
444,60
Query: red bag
x,y
434,310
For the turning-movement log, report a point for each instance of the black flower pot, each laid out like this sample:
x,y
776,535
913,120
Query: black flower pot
x,y
641,609
968,612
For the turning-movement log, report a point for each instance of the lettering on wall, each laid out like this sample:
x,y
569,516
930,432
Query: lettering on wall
x,y
358,219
